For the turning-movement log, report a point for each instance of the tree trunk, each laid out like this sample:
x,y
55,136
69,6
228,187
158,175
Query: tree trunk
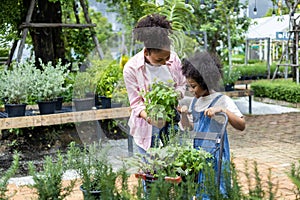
x,y
47,42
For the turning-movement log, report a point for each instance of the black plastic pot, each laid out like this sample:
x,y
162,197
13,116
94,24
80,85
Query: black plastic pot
x,y
84,104
105,102
59,101
47,107
88,195
15,110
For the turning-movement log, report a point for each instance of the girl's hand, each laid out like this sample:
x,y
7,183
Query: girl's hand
x,y
210,112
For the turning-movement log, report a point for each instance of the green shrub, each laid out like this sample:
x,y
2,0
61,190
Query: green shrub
x,y
258,69
285,90
7,175
294,175
48,182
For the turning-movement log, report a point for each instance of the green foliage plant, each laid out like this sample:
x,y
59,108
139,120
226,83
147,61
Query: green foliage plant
x,y
48,181
230,76
7,175
96,173
109,78
16,83
161,101
284,90
49,82
294,175
84,84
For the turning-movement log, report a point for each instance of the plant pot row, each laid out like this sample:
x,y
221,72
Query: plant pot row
x,y
49,107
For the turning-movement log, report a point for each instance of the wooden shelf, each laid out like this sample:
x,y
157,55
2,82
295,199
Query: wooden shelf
x,y
62,118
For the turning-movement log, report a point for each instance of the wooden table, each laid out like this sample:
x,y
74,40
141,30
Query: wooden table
x,y
242,93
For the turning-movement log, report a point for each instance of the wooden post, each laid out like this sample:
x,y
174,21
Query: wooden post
x,y
88,20
25,30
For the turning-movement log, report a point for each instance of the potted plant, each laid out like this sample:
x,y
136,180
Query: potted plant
x,y
48,181
96,173
108,79
84,91
161,102
15,87
168,163
120,96
48,83
230,76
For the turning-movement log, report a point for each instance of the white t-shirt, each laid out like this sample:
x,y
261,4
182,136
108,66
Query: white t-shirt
x,y
224,101
158,73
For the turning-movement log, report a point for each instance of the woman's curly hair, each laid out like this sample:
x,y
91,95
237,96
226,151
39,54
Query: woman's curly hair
x,y
153,30
205,69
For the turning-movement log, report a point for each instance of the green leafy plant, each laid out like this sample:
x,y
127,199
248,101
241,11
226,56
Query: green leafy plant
x,y
120,94
161,101
48,181
230,76
95,171
108,79
294,175
284,90
49,82
7,175
84,84
176,159
16,83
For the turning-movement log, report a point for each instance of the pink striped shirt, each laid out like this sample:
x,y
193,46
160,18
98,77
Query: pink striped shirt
x,y
136,80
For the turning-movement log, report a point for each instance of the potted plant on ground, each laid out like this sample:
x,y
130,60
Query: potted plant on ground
x,y
96,173
15,87
48,83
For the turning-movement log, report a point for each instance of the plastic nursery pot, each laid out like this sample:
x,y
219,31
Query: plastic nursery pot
x,y
84,104
15,110
46,107
96,195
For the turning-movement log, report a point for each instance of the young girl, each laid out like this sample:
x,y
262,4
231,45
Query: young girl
x,y
202,72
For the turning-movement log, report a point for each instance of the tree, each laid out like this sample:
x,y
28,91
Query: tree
x,y
215,22
50,43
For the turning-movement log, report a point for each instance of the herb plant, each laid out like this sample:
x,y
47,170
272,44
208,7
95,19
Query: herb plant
x,y
16,83
96,173
7,175
161,101
49,82
48,182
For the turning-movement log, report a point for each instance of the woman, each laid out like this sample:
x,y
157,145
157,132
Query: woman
x,y
155,62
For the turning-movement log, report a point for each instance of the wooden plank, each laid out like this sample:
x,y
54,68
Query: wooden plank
x,y
62,118
239,93
55,25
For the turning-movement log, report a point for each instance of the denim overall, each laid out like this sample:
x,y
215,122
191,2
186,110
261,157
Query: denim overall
x,y
203,123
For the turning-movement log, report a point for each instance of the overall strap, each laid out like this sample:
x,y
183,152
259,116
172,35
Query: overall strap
x,y
215,100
